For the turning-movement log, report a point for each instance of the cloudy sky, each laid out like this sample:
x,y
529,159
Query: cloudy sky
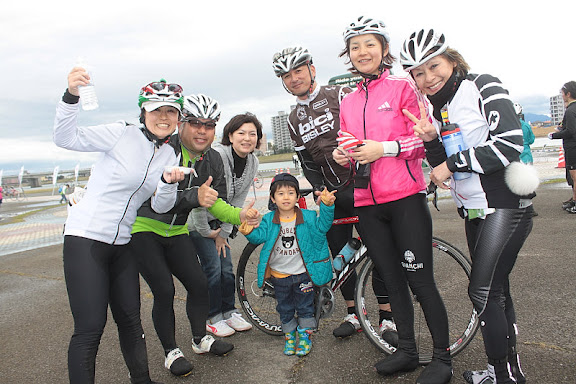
x,y
224,49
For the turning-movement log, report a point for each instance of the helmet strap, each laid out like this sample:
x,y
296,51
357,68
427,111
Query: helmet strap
x,y
369,76
153,138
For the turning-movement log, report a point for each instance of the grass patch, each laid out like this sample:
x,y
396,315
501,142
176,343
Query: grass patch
x,y
20,218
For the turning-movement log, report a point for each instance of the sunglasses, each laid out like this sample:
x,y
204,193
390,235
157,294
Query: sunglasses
x,y
158,86
197,123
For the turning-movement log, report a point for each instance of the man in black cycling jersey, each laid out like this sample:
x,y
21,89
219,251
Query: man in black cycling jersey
x,y
314,126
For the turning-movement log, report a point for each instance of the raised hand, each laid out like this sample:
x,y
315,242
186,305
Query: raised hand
x,y
423,128
250,215
207,196
77,76
328,198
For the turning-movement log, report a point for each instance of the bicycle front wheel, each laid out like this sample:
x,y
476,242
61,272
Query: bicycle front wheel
x,y
259,304
452,274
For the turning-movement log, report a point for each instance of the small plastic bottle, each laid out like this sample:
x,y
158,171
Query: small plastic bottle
x,y
453,143
346,253
87,92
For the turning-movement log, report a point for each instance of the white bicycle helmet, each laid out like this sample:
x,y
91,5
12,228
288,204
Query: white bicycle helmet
x,y
518,108
290,58
160,93
420,47
201,107
365,25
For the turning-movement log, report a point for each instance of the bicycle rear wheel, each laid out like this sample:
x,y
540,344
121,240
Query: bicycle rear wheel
x,y
452,274
259,304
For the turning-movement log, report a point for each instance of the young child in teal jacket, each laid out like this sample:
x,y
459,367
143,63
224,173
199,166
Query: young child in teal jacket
x,y
295,257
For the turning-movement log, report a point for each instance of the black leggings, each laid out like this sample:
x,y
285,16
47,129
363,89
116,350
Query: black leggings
x,y
494,244
339,235
399,237
159,258
97,275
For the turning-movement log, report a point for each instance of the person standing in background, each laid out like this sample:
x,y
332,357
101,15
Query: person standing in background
x,y
527,135
568,136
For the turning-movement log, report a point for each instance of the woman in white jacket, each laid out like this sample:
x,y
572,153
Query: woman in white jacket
x,y
98,267
241,136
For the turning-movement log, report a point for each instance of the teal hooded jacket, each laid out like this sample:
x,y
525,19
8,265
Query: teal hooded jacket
x,y
311,238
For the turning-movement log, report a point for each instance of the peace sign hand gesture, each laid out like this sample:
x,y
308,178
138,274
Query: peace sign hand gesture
x,y
422,126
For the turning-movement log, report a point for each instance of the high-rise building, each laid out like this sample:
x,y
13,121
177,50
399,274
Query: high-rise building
x,y
280,132
556,109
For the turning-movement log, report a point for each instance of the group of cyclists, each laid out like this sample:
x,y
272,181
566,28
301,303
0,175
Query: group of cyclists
x,y
135,215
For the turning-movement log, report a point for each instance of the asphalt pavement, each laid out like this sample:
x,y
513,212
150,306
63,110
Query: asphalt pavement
x,y
36,324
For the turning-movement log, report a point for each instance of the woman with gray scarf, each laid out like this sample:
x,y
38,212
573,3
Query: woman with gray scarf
x,y
241,136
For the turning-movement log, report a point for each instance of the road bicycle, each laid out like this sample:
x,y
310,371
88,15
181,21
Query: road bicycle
x,y
258,180
15,194
451,272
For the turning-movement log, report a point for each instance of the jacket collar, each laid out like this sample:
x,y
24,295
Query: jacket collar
x,y
311,96
372,83
299,216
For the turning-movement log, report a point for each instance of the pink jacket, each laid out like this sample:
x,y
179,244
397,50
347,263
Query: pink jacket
x,y
377,115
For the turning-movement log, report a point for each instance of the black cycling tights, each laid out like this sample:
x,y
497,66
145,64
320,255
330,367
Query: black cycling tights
x,y
339,235
98,275
159,258
494,244
399,237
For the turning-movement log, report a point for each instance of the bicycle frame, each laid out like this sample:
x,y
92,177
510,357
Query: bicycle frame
x,y
341,276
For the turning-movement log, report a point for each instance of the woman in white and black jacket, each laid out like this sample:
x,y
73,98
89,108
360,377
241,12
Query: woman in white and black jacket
x,y
495,200
98,267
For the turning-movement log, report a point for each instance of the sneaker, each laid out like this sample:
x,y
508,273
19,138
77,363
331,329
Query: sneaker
x,y
568,203
237,322
210,344
177,363
572,209
478,377
388,332
350,325
220,329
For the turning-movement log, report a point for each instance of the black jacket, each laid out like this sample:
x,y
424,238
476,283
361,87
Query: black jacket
x,y
209,164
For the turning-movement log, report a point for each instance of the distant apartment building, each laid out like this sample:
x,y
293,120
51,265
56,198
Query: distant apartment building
x,y
263,148
280,132
556,109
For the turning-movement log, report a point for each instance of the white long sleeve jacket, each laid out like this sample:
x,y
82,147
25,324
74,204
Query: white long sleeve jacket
x,y
127,174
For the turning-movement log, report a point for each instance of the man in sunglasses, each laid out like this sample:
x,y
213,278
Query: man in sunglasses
x,y
161,242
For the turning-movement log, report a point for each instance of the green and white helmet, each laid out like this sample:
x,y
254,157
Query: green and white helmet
x,y
160,93
290,58
201,107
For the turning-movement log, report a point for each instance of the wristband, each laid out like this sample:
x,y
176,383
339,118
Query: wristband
x,y
390,148
69,98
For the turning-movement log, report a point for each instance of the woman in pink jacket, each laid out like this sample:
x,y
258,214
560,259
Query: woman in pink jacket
x,y
389,195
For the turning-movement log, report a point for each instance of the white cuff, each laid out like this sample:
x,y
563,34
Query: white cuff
x,y
391,148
